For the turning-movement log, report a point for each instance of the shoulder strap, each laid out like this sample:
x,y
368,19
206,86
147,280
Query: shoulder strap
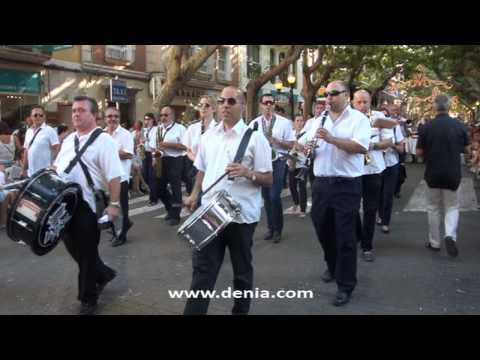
x,y
34,136
89,142
243,146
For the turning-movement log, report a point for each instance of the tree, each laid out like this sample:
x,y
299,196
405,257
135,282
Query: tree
x,y
181,64
254,85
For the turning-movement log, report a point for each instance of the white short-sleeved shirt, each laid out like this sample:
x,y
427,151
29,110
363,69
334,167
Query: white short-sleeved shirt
x,y
124,140
40,153
173,135
282,130
150,136
300,154
329,159
391,155
377,163
101,158
218,149
191,138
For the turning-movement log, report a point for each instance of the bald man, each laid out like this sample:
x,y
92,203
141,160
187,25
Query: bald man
x,y
380,139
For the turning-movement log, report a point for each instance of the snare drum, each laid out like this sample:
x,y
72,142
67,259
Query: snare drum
x,y
209,220
42,210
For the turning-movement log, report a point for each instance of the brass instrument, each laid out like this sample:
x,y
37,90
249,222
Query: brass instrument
x,y
367,160
157,156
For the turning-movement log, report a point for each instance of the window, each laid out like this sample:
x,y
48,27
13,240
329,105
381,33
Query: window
x,y
222,63
272,62
253,61
204,67
120,52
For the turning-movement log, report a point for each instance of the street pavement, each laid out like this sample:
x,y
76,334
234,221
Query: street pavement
x,y
405,278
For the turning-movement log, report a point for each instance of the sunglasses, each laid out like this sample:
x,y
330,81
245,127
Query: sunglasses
x,y
268,102
230,101
164,115
204,105
113,116
334,93
38,115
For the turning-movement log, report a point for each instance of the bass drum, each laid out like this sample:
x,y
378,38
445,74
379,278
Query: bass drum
x,y
42,210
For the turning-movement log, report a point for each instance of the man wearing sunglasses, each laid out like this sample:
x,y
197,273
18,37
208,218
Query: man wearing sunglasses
x,y
168,139
124,142
342,141
214,157
41,143
278,131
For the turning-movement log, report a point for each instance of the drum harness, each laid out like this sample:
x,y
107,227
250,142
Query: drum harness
x,y
101,198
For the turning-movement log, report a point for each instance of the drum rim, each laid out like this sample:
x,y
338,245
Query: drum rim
x,y
22,191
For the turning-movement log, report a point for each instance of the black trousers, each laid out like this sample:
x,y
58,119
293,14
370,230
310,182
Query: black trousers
x,y
172,169
272,197
207,263
81,240
124,205
296,186
335,205
187,174
149,176
371,187
389,182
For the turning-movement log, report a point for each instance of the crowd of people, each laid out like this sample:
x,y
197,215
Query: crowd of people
x,y
353,157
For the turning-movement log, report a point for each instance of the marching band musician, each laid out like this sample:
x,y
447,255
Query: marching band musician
x,y
124,141
171,152
213,159
150,132
297,185
102,162
278,131
192,136
343,137
380,140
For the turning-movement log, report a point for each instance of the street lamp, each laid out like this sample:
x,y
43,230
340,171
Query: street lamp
x,y
291,80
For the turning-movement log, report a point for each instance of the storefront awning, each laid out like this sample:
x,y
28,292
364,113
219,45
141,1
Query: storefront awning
x,y
45,48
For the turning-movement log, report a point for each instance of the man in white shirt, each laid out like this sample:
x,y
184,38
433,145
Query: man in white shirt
x,y
101,164
343,140
380,140
41,143
149,136
390,178
318,109
278,132
124,141
171,151
213,160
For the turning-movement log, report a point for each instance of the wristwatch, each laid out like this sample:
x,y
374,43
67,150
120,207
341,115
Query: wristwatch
x,y
115,203
253,177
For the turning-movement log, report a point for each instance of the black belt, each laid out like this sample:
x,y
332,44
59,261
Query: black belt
x,y
335,179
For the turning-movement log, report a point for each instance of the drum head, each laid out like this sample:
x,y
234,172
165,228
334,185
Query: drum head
x,y
42,211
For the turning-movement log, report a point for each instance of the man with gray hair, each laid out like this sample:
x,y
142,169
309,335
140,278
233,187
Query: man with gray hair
x,y
440,143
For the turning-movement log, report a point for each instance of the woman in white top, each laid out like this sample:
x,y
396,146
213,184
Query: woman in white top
x,y
138,182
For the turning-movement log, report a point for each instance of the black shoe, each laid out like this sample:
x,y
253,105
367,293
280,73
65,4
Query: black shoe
x,y
341,298
327,276
88,308
277,237
268,236
101,285
119,241
168,217
430,247
152,203
451,246
174,222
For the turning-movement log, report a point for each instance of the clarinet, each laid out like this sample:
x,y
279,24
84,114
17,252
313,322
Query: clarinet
x,y
302,174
